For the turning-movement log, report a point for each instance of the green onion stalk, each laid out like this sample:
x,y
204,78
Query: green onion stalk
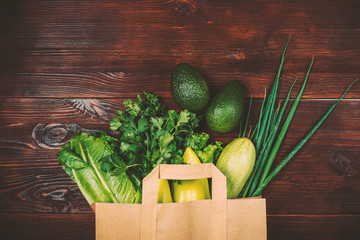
x,y
270,131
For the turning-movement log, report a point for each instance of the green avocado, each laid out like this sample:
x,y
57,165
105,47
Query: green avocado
x,y
226,108
189,88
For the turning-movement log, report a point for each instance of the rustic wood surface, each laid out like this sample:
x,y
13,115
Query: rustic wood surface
x,y
67,66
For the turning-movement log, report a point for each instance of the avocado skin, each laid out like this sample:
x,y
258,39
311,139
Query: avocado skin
x,y
226,108
189,88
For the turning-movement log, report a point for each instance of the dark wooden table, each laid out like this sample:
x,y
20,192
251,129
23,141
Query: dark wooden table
x,y
68,65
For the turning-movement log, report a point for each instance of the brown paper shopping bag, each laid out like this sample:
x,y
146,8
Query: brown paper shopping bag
x,y
217,218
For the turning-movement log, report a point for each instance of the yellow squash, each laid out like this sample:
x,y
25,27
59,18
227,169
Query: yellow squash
x,y
190,190
164,195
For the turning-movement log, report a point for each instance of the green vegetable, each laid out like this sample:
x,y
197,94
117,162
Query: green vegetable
x,y
84,159
299,146
189,88
150,134
109,169
225,109
266,131
208,153
236,162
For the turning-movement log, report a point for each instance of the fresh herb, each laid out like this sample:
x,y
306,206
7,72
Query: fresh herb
x,y
150,134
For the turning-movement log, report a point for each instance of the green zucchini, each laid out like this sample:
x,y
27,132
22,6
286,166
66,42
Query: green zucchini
x,y
236,162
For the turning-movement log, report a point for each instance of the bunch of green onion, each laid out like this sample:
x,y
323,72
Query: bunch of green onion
x,y
266,137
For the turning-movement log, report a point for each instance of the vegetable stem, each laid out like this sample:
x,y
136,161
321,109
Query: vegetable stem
x,y
259,122
247,119
269,108
299,146
284,128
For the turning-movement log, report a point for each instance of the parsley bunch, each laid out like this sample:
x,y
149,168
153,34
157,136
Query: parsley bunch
x,y
150,134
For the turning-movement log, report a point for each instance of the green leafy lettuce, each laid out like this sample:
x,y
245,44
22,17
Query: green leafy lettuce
x,y
84,159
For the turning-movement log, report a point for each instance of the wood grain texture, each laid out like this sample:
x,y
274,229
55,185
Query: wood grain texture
x,y
313,227
82,226
120,84
112,36
47,226
67,66
101,110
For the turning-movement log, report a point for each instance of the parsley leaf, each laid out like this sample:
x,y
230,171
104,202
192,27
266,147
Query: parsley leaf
x,y
151,134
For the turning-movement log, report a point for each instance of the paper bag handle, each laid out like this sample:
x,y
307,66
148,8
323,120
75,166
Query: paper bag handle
x,y
183,172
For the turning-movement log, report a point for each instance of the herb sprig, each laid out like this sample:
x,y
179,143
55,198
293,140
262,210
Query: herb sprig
x,y
150,134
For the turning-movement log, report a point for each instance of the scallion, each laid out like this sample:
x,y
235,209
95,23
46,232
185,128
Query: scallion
x,y
267,128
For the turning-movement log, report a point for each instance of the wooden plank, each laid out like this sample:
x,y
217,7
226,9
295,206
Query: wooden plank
x,y
100,111
303,227
82,226
125,9
91,111
224,61
47,226
133,37
122,85
32,181
311,179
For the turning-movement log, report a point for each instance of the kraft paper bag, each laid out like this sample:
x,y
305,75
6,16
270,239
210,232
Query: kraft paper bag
x,y
218,218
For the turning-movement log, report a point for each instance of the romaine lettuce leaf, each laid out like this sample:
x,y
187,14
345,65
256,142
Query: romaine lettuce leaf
x,y
82,160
